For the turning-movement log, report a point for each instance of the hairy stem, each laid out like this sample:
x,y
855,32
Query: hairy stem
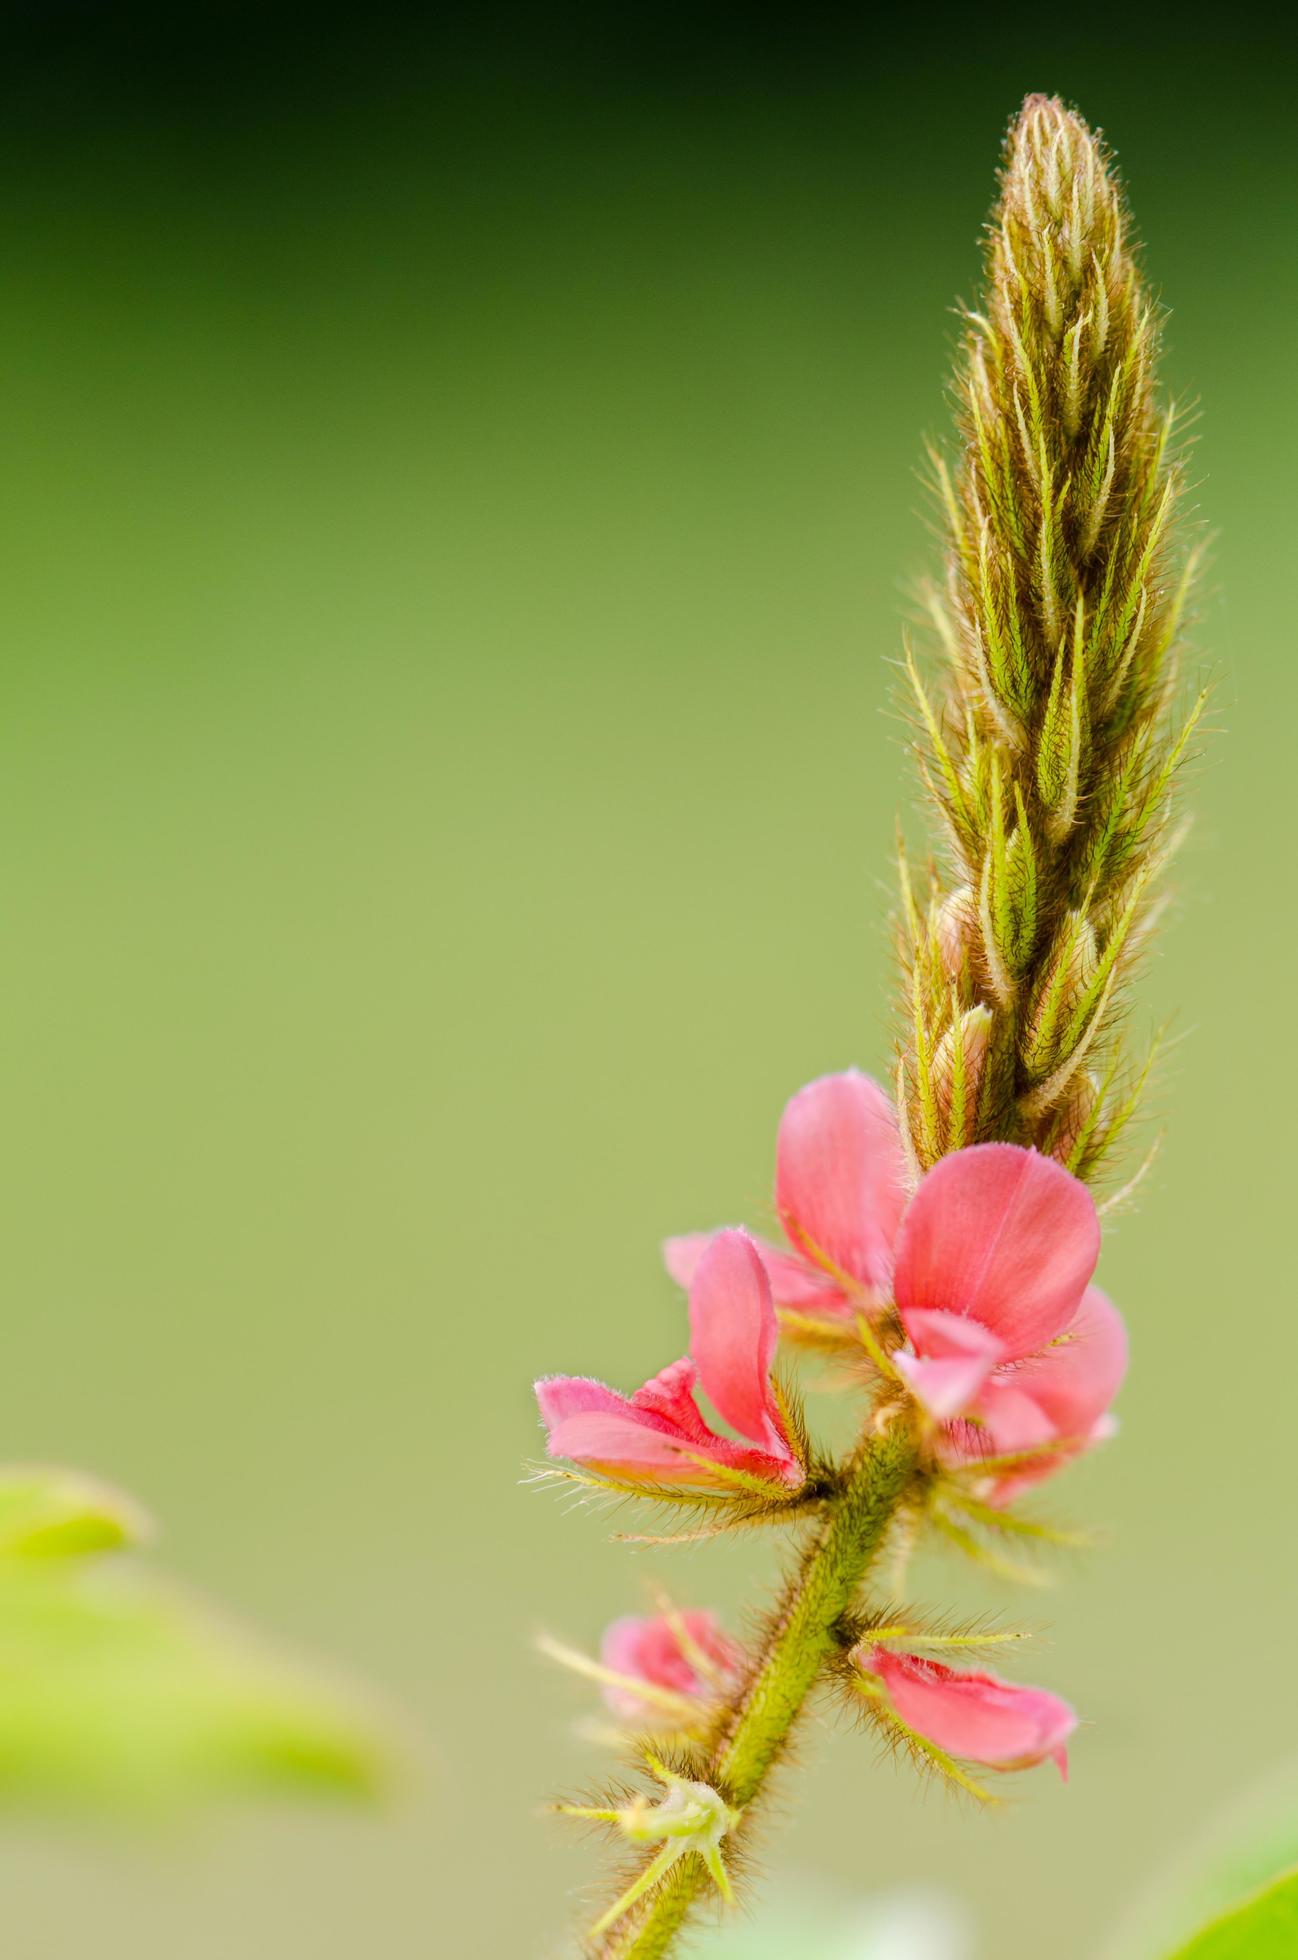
x,y
802,1638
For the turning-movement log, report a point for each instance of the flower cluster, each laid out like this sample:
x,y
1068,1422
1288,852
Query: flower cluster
x,y
940,1244
967,1292
971,1285
986,1267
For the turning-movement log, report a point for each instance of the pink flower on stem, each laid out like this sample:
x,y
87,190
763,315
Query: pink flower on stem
x,y
684,1654
988,1265
976,1717
659,1434
1009,1340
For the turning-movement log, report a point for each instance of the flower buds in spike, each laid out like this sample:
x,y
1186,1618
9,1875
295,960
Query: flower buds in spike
x,y
957,1073
1046,739
956,930
1071,969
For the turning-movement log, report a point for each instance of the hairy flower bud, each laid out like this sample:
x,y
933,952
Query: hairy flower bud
x,y
957,1073
1072,965
977,1717
1076,1116
956,931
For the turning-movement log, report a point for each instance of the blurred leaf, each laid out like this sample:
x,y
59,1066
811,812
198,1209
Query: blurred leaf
x,y
1249,1840
897,1925
1265,1927
55,1512
117,1691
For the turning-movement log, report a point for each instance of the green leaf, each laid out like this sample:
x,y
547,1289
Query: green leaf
x,y
62,1513
117,1691
1265,1927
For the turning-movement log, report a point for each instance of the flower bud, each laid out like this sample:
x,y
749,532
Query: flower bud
x,y
1072,965
976,1717
956,930
957,1073
1076,1114
664,1671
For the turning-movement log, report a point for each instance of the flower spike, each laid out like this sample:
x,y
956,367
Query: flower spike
x,y
941,1247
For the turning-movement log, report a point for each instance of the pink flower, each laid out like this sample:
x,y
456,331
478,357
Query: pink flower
x,y
841,1183
977,1717
988,1265
659,1434
993,1258
685,1653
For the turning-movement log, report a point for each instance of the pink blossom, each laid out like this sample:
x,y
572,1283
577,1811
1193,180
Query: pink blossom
x,y
840,1189
977,1717
988,1265
685,1653
993,1258
659,1434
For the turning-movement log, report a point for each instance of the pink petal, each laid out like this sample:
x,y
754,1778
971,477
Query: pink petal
x,y
649,1648
560,1396
794,1281
978,1717
1008,1420
681,1255
658,1432
670,1396
622,1441
1060,1396
1001,1234
841,1177
952,1362
1075,1379
589,1423
733,1332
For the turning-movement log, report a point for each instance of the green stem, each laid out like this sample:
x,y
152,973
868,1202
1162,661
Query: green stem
x,y
802,1638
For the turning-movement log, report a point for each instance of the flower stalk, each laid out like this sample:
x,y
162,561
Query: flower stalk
x,y
942,1247
802,1638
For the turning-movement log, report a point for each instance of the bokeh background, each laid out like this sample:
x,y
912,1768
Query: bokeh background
x,y
457,493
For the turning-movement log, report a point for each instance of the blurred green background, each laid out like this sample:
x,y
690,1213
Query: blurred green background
x,y
457,496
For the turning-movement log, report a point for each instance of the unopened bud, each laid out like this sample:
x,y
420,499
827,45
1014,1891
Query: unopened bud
x,y
957,1072
1071,968
956,930
1075,1117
